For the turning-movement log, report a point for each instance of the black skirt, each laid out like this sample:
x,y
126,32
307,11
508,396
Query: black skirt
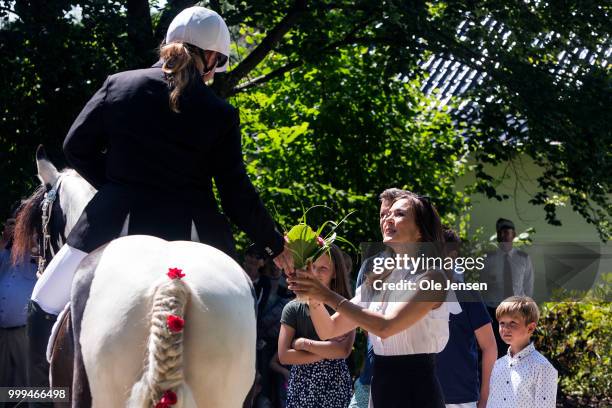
x,y
407,381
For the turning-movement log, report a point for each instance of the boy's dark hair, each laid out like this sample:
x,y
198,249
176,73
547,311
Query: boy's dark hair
x,y
391,194
452,241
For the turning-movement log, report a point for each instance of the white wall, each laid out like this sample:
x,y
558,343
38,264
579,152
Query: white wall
x,y
486,211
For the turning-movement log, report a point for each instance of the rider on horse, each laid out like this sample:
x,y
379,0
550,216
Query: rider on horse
x,y
151,141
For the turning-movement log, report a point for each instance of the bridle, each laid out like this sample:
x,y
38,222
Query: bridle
x,y
45,240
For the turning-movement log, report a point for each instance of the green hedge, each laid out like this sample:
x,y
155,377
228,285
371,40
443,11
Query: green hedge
x,y
576,339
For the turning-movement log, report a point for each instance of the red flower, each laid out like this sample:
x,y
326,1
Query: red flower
x,y
169,398
175,273
320,241
175,323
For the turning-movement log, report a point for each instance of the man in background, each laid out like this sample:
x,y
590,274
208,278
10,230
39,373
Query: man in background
x,y
507,272
16,284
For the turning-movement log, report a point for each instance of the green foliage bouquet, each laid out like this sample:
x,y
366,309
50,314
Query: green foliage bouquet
x,y
307,244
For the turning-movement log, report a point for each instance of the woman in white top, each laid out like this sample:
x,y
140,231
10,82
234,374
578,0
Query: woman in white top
x,y
406,327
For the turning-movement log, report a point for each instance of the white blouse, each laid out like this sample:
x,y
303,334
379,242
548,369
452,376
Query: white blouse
x,y
428,335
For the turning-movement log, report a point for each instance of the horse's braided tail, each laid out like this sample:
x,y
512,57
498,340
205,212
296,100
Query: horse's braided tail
x,y
163,368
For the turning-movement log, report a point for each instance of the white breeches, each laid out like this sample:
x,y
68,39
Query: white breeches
x,y
52,290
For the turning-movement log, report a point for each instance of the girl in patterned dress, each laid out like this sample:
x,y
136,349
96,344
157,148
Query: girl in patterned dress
x,y
319,376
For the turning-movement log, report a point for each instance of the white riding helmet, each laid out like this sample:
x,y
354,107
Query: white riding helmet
x,y
203,28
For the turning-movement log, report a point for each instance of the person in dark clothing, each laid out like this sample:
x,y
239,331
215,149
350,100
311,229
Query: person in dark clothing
x,y
269,311
465,382
254,264
17,278
151,141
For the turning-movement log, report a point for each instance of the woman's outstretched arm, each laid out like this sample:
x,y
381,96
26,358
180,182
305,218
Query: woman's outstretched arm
x,y
349,315
326,326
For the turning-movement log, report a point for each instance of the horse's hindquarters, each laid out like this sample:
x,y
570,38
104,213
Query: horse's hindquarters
x,y
219,333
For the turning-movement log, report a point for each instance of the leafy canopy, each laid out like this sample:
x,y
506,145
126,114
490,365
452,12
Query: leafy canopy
x,y
331,98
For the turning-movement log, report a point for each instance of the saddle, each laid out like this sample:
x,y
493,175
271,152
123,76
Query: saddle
x,y
66,363
60,351
64,350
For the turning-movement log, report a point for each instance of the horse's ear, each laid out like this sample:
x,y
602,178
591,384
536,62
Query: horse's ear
x,y
47,172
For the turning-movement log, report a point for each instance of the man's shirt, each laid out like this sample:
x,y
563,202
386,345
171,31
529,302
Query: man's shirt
x,y
457,364
16,285
493,274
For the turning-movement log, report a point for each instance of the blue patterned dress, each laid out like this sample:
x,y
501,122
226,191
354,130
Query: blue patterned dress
x,y
324,384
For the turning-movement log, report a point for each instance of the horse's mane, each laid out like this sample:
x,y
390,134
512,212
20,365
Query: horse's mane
x,y
28,222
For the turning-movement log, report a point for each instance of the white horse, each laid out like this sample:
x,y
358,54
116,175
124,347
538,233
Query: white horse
x,y
129,353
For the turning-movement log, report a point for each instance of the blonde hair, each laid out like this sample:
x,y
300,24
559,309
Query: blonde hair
x,y
521,305
163,368
181,68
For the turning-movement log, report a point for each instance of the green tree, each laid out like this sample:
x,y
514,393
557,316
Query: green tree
x,y
323,136
54,62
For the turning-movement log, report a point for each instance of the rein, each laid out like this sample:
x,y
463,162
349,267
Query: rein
x,y
47,207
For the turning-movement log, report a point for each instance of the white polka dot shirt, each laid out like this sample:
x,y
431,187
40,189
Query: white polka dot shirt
x,y
527,380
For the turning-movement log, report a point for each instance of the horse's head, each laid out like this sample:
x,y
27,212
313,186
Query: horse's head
x,y
52,210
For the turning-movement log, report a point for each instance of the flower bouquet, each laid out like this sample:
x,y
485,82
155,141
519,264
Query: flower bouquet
x,y
307,245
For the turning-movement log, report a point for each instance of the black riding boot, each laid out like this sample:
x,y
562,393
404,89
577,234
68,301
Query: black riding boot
x,y
39,328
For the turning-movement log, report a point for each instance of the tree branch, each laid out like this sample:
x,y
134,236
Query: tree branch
x,y
8,10
229,81
265,78
347,40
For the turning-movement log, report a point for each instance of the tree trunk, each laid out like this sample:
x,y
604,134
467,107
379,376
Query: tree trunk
x,y
140,32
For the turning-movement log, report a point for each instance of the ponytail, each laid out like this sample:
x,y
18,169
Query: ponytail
x,y
180,67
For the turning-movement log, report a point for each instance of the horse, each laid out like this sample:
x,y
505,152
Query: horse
x,y
127,297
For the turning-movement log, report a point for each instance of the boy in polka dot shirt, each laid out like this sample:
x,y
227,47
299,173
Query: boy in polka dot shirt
x,y
523,378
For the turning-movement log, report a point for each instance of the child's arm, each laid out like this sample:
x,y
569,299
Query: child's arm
x,y
339,347
546,387
486,342
276,366
287,355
